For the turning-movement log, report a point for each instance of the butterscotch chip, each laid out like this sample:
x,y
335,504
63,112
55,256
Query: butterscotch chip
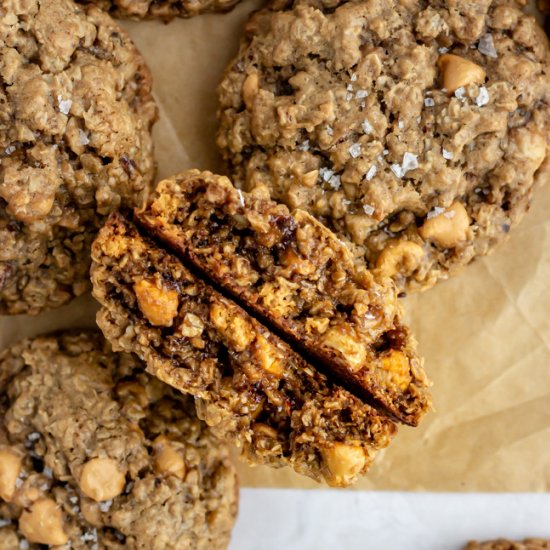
x,y
75,144
161,9
250,386
403,110
294,273
93,433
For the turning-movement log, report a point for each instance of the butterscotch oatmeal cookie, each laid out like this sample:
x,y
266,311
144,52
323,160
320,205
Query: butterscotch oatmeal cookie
x,y
95,453
417,130
76,112
162,9
250,386
299,278
503,544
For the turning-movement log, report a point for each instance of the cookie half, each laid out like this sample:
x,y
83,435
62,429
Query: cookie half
x,y
75,144
96,453
416,131
300,279
161,9
251,387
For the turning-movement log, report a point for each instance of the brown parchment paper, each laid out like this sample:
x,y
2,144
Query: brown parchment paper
x,y
485,334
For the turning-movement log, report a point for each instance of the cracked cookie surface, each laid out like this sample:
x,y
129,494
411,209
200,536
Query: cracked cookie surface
x,y
76,113
416,130
161,9
300,279
504,544
250,386
94,452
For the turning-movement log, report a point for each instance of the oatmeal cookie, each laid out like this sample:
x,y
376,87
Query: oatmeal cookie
x,y
161,9
76,113
94,453
293,273
503,544
250,386
416,130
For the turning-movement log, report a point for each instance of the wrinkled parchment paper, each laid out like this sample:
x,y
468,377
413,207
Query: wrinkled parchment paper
x,y
485,334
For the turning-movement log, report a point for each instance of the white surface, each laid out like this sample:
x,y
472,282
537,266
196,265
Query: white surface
x,y
281,519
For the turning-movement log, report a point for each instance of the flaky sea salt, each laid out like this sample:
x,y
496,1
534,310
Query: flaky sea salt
x,y
64,105
361,94
304,146
371,172
349,88
410,162
429,102
9,149
33,436
385,152
349,96
443,50
353,77
368,209
83,137
330,131
401,125
105,506
435,212
486,46
4,522
447,154
397,170
24,544
482,97
355,150
89,536
326,173
367,128
48,472
460,92
334,182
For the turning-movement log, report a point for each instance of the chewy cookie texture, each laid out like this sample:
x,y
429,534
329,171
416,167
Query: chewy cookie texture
x,y
299,278
95,453
161,9
416,131
249,385
76,112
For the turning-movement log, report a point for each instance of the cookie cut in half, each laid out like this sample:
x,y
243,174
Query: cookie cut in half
x,y
75,144
416,131
249,385
96,453
299,279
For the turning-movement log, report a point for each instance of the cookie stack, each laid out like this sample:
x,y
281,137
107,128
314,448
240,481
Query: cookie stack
x,y
373,148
